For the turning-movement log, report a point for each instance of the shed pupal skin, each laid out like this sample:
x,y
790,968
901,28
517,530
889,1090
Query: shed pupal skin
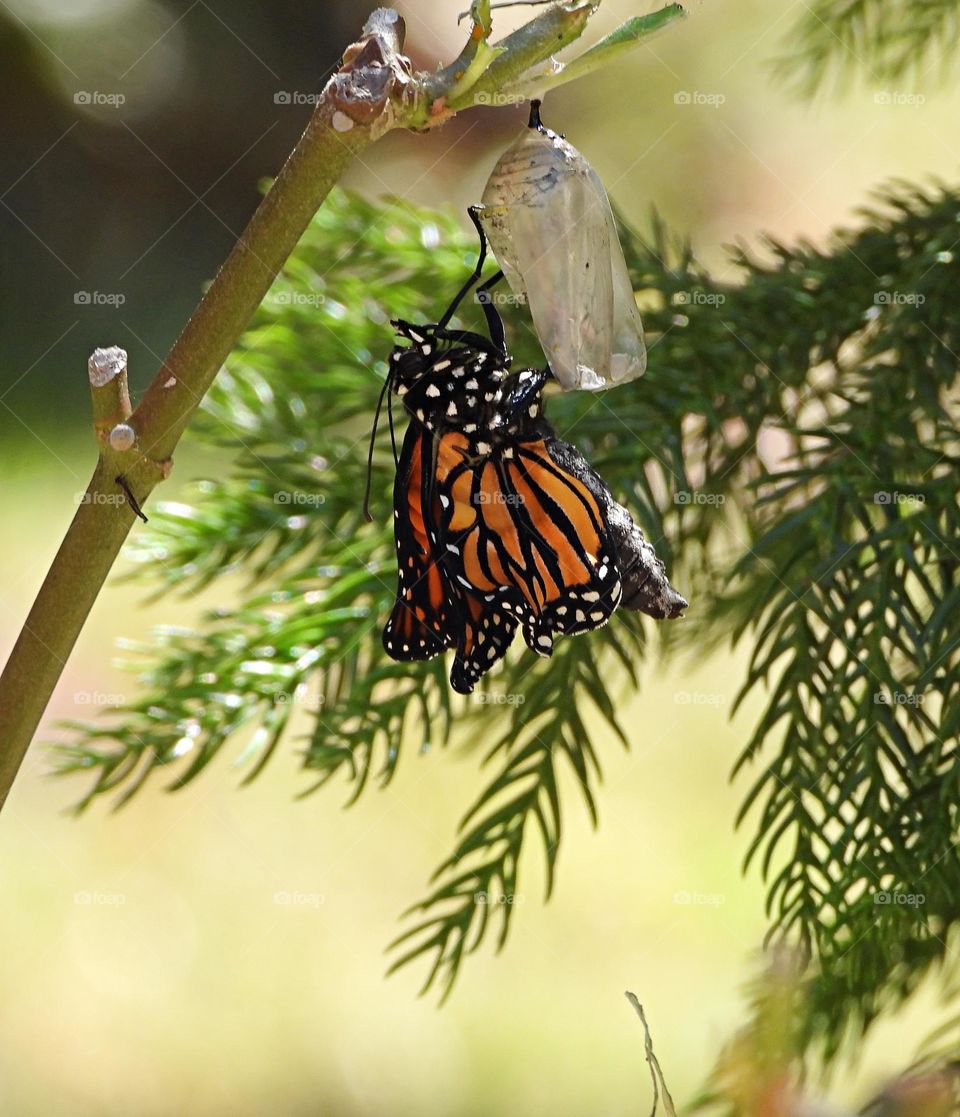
x,y
551,227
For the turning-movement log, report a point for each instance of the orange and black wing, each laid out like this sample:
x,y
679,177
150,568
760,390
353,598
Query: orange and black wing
x,y
530,536
425,620
486,635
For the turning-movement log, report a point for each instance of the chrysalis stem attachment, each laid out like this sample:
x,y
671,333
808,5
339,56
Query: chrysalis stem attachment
x,y
535,121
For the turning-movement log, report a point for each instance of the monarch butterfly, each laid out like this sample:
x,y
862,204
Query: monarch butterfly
x,y
498,523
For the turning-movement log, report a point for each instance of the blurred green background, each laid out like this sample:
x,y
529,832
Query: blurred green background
x,y
221,951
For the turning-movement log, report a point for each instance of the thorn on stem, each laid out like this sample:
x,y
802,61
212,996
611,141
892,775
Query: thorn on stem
x,y
131,499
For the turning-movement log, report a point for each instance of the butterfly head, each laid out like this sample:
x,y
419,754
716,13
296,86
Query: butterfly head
x,y
410,363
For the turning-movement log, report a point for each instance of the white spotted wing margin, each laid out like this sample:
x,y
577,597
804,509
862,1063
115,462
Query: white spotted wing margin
x,y
424,621
487,634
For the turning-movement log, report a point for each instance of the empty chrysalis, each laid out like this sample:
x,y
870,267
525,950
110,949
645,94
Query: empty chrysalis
x,y
550,225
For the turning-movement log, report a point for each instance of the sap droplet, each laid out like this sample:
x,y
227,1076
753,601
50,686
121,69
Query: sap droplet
x,y
122,437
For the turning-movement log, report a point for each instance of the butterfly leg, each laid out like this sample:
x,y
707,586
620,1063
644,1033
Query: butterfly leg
x,y
473,211
492,315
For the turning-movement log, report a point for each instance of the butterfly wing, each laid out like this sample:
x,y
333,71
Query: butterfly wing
x,y
646,587
486,635
499,523
575,575
431,615
424,621
528,536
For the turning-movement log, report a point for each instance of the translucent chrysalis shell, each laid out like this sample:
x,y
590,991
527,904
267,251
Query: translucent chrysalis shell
x,y
550,225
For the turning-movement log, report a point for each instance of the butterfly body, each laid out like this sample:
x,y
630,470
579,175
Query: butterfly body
x,y
447,380
513,530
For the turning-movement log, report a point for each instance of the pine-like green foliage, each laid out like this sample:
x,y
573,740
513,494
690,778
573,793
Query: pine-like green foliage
x,y
882,40
762,1069
792,452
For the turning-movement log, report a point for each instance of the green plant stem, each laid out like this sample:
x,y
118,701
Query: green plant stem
x,y
103,519
528,46
611,47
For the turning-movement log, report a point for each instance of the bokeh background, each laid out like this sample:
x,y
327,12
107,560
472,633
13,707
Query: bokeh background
x,y
221,950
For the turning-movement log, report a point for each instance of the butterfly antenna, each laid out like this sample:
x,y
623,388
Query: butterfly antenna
x,y
373,439
393,437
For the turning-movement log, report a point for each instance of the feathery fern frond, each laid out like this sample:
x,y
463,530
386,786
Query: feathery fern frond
x,y
885,40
